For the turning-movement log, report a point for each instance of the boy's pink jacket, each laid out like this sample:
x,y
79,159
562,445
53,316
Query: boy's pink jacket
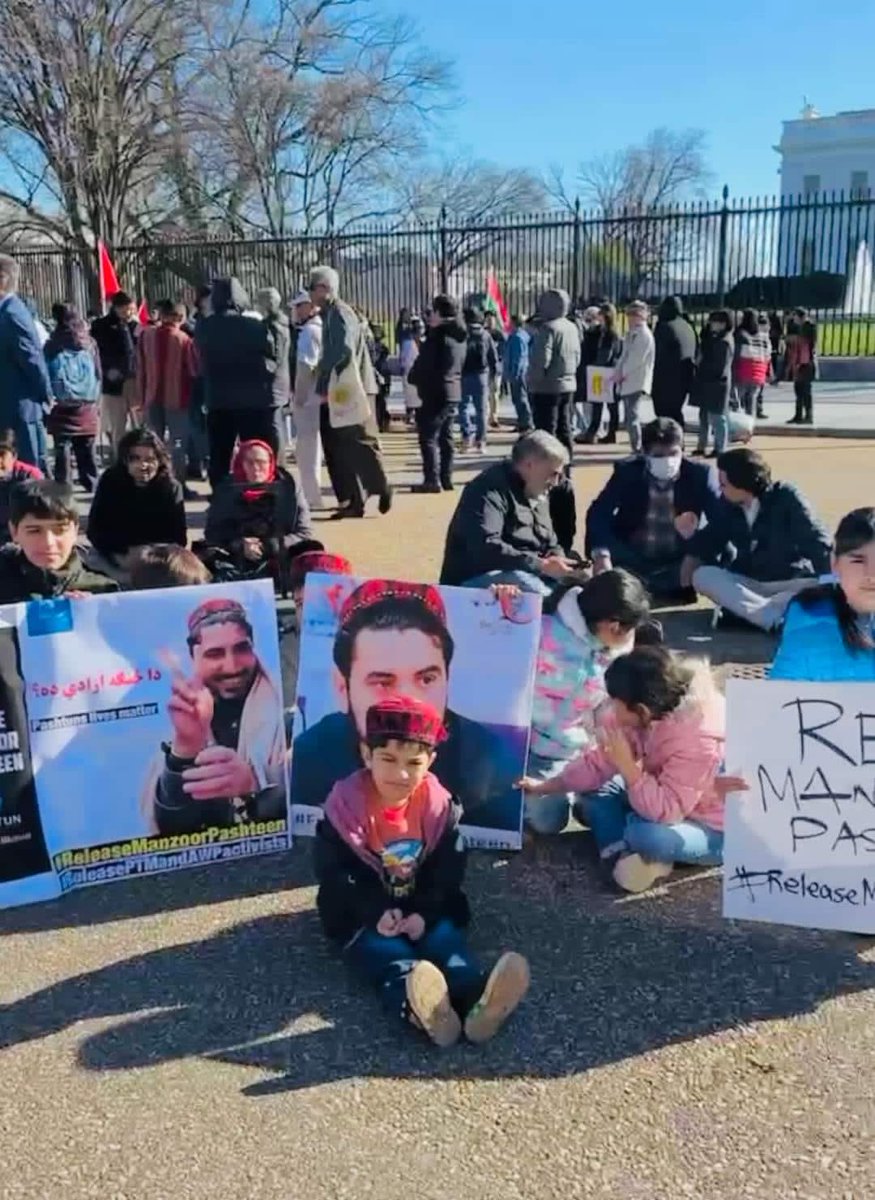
x,y
680,757
347,810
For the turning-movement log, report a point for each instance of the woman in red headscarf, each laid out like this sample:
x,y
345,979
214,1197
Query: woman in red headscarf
x,y
257,516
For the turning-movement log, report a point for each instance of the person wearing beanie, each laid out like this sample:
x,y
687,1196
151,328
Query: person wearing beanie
x,y
674,367
359,472
437,377
389,860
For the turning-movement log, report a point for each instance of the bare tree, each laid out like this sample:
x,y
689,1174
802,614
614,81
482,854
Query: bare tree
x,y
479,201
300,116
638,194
122,117
83,118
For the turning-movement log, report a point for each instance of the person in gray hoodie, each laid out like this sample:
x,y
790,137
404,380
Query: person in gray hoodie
x,y
237,359
554,357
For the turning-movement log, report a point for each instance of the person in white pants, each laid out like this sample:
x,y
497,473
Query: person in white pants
x,y
308,448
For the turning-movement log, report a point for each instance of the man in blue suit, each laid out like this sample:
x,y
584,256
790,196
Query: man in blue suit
x,y
24,381
647,512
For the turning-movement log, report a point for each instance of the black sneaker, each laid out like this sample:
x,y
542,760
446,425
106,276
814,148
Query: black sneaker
x,y
386,501
421,489
447,485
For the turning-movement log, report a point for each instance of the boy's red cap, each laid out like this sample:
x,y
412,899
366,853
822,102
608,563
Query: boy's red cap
x,y
405,719
376,590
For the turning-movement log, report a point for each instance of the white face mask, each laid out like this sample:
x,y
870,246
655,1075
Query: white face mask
x,y
664,469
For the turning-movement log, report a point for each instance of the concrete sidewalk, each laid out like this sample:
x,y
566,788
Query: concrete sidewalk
x,y
841,410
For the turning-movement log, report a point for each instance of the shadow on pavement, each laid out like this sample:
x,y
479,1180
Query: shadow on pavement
x,y
161,893
690,630
612,978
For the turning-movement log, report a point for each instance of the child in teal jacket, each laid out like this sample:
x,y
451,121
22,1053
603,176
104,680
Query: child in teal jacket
x,y
829,632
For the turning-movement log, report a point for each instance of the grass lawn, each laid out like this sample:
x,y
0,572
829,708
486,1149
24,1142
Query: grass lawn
x,y
854,339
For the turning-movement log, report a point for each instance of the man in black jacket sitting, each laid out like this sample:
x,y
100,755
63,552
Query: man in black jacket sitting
x,y
648,510
769,543
501,531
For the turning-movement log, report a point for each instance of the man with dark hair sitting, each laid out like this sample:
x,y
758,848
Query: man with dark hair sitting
x,y
648,510
768,543
43,561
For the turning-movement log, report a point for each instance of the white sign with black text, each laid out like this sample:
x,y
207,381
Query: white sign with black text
x,y
800,845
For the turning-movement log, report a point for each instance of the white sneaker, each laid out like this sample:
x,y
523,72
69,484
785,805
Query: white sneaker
x,y
506,986
481,447
428,1003
636,874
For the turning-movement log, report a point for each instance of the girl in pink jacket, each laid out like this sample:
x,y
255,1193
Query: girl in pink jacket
x,y
648,790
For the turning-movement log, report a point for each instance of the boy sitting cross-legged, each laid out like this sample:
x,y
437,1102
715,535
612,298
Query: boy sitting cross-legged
x,y
42,562
389,860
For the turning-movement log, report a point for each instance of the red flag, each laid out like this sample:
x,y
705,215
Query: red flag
x,y
495,301
143,315
109,283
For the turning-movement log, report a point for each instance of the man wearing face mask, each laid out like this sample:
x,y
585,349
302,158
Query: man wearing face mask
x,y
650,508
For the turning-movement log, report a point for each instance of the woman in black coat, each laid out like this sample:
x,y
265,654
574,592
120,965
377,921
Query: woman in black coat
x,y
257,518
607,354
137,503
713,385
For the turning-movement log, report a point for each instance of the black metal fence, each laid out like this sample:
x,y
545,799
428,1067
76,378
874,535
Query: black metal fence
x,y
814,251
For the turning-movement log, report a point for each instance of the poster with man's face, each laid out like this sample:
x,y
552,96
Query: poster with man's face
x,y
156,729
466,652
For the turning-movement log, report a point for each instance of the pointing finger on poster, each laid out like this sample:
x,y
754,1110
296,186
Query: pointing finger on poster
x,y
218,774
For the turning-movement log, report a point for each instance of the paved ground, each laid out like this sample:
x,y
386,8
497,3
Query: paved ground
x,y
190,1036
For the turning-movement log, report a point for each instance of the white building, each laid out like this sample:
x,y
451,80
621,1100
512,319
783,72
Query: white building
x,y
827,171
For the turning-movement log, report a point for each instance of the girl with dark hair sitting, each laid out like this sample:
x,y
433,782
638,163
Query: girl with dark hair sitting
x,y
829,632
648,791
137,502
583,629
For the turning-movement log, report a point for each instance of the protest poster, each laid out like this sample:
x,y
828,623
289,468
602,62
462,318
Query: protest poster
x,y
800,845
464,651
25,870
156,729
599,384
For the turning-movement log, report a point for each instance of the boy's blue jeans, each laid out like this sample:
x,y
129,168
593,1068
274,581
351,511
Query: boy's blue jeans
x,y
612,820
475,390
385,963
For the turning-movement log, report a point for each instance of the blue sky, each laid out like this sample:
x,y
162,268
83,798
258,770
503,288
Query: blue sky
x,y
545,81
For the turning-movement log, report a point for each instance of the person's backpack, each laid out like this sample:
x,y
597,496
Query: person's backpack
x,y
73,377
476,360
